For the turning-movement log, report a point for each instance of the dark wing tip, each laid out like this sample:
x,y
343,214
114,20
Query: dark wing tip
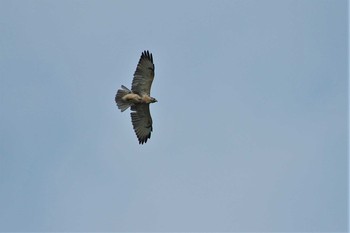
x,y
144,140
146,54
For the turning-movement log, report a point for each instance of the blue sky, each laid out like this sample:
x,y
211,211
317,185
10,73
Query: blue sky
x,y
250,131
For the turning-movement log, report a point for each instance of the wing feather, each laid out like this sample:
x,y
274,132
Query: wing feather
x,y
144,74
142,122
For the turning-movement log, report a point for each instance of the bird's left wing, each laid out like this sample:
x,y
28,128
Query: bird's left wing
x,y
144,74
141,122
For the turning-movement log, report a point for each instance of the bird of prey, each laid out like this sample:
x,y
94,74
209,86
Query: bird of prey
x,y
138,98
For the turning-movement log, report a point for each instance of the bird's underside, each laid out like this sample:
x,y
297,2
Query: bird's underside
x,y
138,98
132,98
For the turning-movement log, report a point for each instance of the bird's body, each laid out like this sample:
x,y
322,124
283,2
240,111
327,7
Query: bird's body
x,y
138,98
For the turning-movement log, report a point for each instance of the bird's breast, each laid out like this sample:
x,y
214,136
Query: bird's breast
x,y
131,97
146,99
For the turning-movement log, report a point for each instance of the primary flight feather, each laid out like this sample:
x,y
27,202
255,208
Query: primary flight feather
x,y
138,98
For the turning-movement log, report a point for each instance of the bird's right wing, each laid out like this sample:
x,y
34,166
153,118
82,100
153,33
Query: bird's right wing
x,y
144,74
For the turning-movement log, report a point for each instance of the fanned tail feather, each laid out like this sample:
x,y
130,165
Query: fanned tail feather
x,y
122,105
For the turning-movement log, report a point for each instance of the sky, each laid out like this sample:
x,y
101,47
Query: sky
x,y
250,131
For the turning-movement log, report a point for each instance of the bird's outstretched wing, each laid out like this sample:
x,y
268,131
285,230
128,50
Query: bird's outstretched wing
x,y
141,122
144,74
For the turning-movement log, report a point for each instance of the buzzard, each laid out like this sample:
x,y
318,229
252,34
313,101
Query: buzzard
x,y
138,98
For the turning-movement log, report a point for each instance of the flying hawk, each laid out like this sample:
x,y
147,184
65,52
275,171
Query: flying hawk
x,y
138,98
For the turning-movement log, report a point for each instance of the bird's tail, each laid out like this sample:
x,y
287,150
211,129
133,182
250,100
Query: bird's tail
x,y
122,105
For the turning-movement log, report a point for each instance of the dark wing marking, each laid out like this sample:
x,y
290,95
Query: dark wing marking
x,y
142,122
144,74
